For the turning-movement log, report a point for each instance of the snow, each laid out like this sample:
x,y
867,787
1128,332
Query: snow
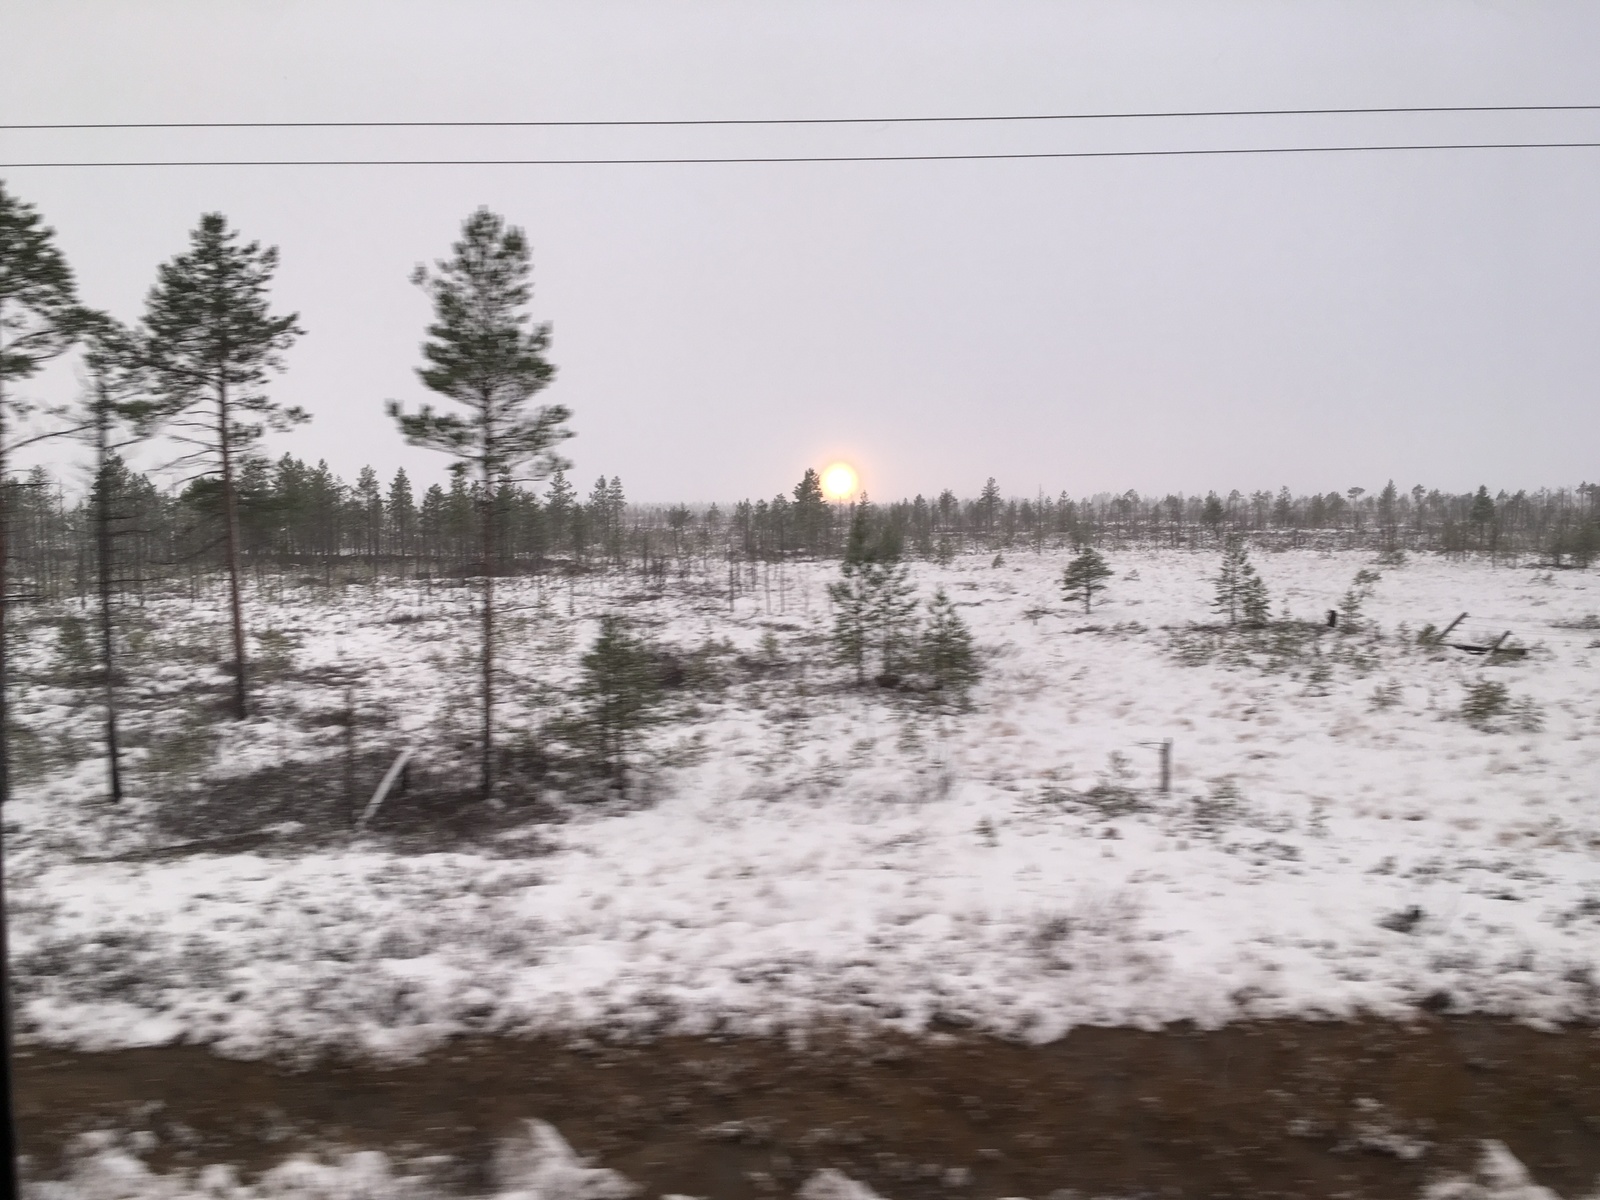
x,y
829,1184
538,1166
1338,840
1499,1177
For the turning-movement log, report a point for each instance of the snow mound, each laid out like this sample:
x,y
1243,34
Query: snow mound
x,y
542,1166
1499,1177
830,1184
106,1171
538,1166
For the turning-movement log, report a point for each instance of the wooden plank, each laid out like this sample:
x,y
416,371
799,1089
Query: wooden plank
x,y
383,788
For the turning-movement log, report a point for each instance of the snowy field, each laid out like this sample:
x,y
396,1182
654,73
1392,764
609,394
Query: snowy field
x,y
1338,838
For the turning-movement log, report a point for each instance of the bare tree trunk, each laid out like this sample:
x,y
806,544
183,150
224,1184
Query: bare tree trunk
x,y
230,514
8,1125
5,609
488,632
103,538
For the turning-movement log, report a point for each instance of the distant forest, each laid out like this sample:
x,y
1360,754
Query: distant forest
x,y
303,519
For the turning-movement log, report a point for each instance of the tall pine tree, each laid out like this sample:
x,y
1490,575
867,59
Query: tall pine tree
x,y
485,354
115,402
401,513
38,321
209,342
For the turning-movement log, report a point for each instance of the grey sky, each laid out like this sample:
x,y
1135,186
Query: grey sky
x,y
1170,324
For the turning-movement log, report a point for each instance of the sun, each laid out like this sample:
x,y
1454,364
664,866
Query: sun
x,y
840,482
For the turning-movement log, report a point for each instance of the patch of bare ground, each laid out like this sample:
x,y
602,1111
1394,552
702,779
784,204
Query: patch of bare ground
x,y
1266,1109
298,806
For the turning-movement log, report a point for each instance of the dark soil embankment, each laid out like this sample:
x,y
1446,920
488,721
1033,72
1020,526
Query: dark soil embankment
x,y
1266,1109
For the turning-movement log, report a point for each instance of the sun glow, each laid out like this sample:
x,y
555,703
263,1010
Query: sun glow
x,y
839,481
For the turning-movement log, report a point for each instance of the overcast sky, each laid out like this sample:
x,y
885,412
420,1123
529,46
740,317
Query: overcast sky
x,y
1163,324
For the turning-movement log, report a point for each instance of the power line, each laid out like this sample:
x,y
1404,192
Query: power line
x,y
808,158
735,121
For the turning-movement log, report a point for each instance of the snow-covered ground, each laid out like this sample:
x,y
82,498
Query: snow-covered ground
x,y
1337,838
539,1166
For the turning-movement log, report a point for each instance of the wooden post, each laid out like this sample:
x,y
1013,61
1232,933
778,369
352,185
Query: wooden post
x,y
400,769
1164,749
1448,628
349,747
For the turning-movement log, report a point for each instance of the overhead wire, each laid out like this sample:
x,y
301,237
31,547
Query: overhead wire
x,y
737,159
802,158
878,120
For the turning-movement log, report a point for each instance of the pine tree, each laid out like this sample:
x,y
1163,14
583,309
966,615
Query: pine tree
x,y
679,518
1254,603
325,496
810,513
874,599
616,511
484,354
1283,509
922,526
947,653
433,521
369,497
989,506
780,522
599,512
209,342
1355,494
258,508
1389,515
1083,577
38,321
558,502
851,595
401,513
289,483
116,399
1482,514
620,685
893,616
1239,592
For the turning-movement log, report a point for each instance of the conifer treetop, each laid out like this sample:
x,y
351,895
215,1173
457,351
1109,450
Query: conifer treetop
x,y
484,352
207,330
207,317
38,301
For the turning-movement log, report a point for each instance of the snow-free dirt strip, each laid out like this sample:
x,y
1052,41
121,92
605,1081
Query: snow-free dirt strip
x,y
1337,839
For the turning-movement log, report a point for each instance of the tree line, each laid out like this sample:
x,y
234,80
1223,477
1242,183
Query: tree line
x,y
299,518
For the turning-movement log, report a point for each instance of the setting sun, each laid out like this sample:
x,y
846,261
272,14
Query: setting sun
x,y
839,481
